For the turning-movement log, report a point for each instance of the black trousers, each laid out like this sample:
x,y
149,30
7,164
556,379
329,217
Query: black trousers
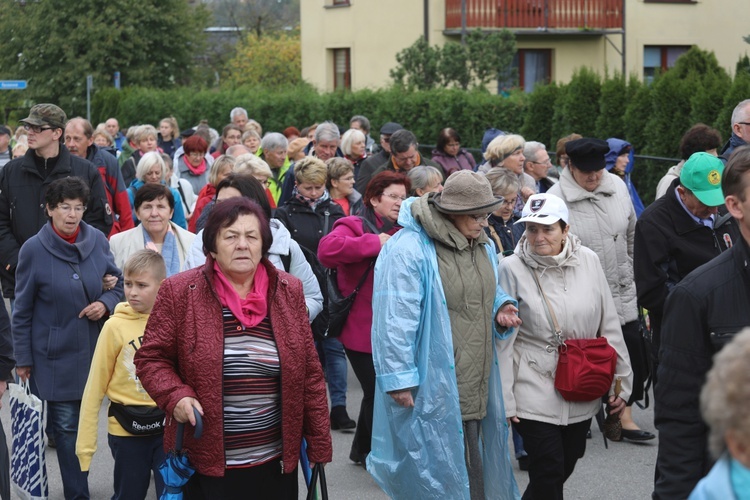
x,y
262,482
638,358
364,369
553,452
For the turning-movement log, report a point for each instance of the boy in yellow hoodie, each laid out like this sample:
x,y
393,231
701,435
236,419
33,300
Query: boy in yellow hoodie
x,y
135,424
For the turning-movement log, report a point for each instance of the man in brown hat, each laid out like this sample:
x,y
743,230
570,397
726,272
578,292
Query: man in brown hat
x,y
24,181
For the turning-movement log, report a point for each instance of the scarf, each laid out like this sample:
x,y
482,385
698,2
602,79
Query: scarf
x,y
398,168
310,202
168,250
196,170
251,310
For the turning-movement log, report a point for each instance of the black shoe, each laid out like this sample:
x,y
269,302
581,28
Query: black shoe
x,y
637,435
358,458
523,463
340,419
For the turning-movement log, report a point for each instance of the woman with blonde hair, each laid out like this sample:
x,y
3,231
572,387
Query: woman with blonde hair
x,y
258,168
506,151
340,184
145,139
169,135
353,145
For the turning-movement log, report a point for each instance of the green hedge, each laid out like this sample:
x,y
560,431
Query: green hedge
x,y
651,117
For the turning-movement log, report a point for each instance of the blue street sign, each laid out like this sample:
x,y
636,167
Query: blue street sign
x,y
12,84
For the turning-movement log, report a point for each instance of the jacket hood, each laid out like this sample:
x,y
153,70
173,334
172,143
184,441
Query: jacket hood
x,y
615,146
568,256
58,247
123,310
281,238
438,226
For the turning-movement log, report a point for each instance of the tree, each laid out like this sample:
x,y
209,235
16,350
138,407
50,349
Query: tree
x,y
262,17
490,55
268,61
55,44
580,104
418,66
612,103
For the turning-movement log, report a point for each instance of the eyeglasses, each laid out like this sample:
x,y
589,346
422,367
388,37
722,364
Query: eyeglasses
x,y
545,162
37,129
743,123
65,208
196,154
509,202
480,218
394,196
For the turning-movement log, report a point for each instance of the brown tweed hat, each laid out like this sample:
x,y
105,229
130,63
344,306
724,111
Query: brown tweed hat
x,y
466,193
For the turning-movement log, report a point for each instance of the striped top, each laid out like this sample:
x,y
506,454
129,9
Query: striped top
x,y
252,394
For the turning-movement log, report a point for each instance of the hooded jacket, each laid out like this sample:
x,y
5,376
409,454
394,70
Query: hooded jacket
x,y
733,143
717,485
418,453
123,245
604,220
48,335
615,146
576,288
106,163
112,374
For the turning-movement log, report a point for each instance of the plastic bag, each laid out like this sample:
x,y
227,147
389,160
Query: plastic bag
x,y
28,469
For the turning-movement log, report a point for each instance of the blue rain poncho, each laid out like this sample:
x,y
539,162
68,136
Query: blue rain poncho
x,y
418,453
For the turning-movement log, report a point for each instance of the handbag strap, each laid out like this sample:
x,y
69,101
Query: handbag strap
x,y
550,312
318,475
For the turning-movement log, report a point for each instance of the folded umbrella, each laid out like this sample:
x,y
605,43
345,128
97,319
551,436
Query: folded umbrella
x,y
176,469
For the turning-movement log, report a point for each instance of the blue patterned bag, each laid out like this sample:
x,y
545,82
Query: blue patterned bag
x,y
28,470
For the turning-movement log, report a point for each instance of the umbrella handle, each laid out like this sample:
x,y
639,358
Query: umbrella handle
x,y
181,430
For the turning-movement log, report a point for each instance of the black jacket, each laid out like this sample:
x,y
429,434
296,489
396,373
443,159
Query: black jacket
x,y
701,315
669,245
308,226
22,207
369,166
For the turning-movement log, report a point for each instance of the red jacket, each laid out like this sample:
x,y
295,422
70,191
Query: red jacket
x,y
182,355
205,197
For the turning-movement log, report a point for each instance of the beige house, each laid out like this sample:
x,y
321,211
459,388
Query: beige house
x,y
353,43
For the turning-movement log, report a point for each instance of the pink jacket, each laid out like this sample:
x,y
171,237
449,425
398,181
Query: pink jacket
x,y
183,353
350,250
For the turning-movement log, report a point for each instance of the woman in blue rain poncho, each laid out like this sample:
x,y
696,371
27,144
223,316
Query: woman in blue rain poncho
x,y
437,312
620,161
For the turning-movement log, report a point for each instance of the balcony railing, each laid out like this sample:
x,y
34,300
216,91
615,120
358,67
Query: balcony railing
x,y
536,14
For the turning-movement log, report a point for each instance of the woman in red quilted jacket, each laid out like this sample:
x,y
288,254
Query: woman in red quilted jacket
x,y
232,340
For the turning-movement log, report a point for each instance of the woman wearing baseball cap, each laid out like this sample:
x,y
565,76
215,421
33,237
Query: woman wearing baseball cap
x,y
550,261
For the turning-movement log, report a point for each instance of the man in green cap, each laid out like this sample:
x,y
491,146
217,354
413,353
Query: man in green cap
x,y
702,314
24,181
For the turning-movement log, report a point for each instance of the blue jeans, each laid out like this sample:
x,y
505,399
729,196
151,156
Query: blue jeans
x,y
63,418
135,458
518,443
334,364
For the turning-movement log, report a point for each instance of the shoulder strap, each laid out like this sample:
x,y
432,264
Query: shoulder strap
x,y
286,260
368,226
548,307
184,200
496,237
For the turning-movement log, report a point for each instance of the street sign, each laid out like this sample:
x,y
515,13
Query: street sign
x,y
12,84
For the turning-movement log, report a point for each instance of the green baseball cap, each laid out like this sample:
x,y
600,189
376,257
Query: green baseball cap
x,y
46,114
701,174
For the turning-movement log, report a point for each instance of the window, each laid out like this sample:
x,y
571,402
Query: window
x,y
342,73
532,66
340,2
670,1
660,58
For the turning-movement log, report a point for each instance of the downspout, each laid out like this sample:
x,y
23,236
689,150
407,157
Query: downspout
x,y
427,21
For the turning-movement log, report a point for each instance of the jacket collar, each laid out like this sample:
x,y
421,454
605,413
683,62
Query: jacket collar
x,y
63,250
62,166
273,275
572,192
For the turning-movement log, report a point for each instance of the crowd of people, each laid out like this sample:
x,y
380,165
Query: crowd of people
x,y
191,275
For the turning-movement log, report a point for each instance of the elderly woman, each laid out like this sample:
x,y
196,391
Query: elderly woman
x,y
352,248
251,140
152,170
603,217
552,275
296,149
59,308
273,152
230,136
257,168
506,151
145,139
340,184
193,164
181,185
353,146
220,169
724,407
621,161
502,228
154,206
562,156
284,252
450,155
438,391
231,339
169,135
425,179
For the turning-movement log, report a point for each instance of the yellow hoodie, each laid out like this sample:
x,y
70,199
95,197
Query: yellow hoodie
x,y
112,374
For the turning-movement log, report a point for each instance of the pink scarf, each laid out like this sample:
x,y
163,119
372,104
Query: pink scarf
x,y
197,170
251,310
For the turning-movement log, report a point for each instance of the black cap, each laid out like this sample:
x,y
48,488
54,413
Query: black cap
x,y
187,133
4,130
587,154
390,127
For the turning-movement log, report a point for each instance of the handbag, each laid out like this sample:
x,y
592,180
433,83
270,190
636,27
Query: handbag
x,y
318,475
585,367
28,468
340,305
138,420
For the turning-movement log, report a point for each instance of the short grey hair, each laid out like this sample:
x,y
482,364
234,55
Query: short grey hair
x,y
237,150
146,162
327,131
531,150
739,114
273,141
725,394
402,140
237,112
249,164
351,137
363,122
422,176
503,181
